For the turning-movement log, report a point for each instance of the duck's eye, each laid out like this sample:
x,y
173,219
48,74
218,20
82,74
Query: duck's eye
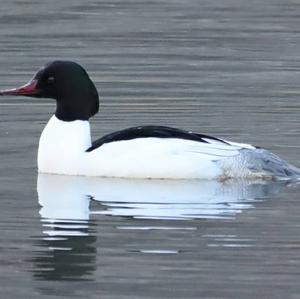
x,y
50,80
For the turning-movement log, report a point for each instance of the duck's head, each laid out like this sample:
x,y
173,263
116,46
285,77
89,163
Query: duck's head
x,y
69,84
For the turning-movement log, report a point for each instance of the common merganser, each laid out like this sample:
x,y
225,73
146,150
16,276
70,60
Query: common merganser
x,y
65,146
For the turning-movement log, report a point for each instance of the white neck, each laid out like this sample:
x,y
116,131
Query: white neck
x,y
61,144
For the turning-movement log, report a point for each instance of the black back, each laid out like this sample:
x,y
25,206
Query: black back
x,y
151,131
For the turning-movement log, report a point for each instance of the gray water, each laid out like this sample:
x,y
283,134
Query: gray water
x,y
226,68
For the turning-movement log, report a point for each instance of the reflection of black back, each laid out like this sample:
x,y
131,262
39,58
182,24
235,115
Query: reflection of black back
x,y
68,254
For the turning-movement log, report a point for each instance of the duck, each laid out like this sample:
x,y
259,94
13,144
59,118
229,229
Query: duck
x,y
147,152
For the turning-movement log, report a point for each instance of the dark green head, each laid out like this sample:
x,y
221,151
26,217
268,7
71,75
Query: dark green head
x,y
69,84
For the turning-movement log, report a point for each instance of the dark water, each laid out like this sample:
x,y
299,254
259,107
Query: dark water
x,y
225,68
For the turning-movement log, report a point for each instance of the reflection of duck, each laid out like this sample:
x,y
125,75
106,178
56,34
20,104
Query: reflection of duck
x,y
67,256
68,246
66,197
142,152
69,237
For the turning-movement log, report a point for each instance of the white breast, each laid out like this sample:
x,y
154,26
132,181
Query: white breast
x,y
62,145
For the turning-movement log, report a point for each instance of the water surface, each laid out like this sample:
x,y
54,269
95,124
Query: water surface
x,y
230,69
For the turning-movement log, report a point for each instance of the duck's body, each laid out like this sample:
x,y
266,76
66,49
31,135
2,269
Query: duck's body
x,y
151,152
64,148
65,145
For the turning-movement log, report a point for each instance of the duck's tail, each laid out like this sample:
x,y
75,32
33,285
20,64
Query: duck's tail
x,y
262,162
